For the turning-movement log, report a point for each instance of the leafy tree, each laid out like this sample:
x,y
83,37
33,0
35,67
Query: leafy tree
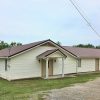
x,y
18,44
3,45
58,42
6,45
85,46
98,47
15,44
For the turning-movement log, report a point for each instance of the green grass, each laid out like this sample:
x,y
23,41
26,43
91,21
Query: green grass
x,y
25,89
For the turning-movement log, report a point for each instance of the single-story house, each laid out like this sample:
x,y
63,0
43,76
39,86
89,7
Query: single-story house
x,y
46,58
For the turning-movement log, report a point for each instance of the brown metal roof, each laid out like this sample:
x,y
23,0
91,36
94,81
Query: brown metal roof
x,y
76,51
84,52
19,49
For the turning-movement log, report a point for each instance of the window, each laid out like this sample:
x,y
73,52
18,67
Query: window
x,y
79,62
5,64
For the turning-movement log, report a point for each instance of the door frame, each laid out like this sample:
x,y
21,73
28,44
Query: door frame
x,y
43,67
50,67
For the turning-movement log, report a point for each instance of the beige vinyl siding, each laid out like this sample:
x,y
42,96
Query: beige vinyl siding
x,y
87,65
57,66
2,68
27,65
56,54
69,65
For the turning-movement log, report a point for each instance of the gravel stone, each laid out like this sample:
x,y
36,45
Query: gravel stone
x,y
82,91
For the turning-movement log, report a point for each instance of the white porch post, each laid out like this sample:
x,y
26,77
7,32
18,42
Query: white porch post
x,y
46,68
62,67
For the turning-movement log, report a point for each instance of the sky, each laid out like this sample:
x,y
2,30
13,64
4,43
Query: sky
x,y
27,21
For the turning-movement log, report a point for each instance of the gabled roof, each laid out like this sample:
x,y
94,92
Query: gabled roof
x,y
48,52
18,49
75,51
9,52
84,52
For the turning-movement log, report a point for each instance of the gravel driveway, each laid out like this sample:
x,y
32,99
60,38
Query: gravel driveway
x,y
83,91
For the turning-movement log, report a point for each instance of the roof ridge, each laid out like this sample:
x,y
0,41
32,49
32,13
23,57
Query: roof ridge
x,y
35,42
24,44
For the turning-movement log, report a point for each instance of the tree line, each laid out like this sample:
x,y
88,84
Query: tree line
x,y
82,45
87,46
12,44
6,45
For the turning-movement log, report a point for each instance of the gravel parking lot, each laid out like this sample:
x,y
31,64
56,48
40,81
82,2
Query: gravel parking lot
x,y
83,91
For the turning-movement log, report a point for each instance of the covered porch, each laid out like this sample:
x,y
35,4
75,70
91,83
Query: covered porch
x,y
48,60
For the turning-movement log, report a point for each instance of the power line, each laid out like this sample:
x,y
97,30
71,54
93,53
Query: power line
x,y
89,24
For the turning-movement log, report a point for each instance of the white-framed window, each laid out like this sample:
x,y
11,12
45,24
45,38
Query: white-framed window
x,y
79,62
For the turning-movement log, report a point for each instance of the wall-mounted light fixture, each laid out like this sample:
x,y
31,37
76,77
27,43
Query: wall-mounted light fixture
x,y
39,60
54,60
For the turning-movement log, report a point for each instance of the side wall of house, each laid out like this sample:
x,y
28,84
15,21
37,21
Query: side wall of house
x,y
2,68
26,65
87,65
69,65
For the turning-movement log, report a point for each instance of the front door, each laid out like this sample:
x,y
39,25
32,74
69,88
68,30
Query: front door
x,y
96,64
50,67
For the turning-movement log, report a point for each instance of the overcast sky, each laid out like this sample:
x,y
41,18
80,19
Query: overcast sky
x,y
27,21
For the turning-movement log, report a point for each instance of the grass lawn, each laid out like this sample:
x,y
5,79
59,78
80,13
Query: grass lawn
x,y
25,89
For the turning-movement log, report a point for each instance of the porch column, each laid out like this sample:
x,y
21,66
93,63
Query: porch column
x,y
46,68
62,67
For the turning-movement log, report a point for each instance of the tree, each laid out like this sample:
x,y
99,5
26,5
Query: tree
x,y
6,45
18,44
3,45
98,47
58,42
15,44
85,46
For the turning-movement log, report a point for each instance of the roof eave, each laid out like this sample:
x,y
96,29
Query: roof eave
x,y
64,49
3,57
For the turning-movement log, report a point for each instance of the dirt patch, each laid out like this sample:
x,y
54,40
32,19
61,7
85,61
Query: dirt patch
x,y
83,91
